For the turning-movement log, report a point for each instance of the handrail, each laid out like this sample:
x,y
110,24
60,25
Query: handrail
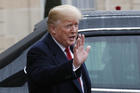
x,y
14,51
11,53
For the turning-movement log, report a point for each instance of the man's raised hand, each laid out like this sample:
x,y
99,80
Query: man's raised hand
x,y
80,54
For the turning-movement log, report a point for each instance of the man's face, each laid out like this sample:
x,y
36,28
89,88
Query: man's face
x,y
66,31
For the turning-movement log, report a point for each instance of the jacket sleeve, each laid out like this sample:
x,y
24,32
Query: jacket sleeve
x,y
43,71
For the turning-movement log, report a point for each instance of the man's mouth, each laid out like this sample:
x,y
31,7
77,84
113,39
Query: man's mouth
x,y
72,38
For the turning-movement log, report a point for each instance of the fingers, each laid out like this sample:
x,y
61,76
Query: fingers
x,y
83,40
88,48
80,54
80,40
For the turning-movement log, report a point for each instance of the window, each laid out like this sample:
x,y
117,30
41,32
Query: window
x,y
81,4
114,62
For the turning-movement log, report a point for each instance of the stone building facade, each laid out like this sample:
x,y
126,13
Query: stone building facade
x,y
112,4
17,20
18,17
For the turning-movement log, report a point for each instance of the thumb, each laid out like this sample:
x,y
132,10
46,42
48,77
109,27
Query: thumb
x,y
88,48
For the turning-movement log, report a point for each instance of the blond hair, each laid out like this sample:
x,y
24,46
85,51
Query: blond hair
x,y
61,12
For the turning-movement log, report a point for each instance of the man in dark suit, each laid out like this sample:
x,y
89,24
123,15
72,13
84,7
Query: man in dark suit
x,y
56,63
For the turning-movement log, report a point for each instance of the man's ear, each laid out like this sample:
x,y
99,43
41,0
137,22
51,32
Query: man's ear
x,y
52,28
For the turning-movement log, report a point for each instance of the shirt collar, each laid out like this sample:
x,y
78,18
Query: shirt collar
x,y
60,45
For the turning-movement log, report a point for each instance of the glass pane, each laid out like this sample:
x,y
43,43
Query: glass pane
x,y
113,61
81,4
88,5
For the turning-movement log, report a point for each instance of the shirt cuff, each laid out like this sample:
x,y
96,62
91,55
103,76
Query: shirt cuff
x,y
75,68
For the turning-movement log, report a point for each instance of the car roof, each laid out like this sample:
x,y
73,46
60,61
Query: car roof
x,y
110,19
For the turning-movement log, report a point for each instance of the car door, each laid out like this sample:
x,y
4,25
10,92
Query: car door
x,y
113,62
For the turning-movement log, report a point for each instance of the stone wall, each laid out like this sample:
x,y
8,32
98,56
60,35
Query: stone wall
x,y
18,17
112,4
17,20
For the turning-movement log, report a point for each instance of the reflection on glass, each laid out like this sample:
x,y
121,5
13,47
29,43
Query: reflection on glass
x,y
113,62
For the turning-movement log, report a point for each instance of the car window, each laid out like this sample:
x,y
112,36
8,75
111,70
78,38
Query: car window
x,y
113,61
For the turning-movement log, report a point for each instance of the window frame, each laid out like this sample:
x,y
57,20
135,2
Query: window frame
x,y
81,4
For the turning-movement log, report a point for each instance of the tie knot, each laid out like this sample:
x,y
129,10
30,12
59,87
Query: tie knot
x,y
67,50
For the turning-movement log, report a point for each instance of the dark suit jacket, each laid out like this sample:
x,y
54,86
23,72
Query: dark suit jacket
x,y
49,71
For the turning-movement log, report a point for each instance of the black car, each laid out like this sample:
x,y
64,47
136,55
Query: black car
x,y
114,59
113,62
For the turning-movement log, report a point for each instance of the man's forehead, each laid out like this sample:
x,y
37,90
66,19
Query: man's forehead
x,y
69,18
70,21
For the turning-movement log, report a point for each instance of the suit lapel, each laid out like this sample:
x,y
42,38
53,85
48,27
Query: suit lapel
x,y
86,79
76,83
57,53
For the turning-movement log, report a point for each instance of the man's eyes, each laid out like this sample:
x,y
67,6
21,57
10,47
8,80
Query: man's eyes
x,y
71,25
